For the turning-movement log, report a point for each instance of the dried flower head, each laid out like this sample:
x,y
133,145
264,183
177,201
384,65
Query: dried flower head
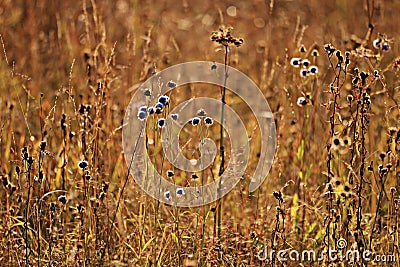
x,y
302,49
336,141
385,47
303,73
62,199
201,113
180,191
224,37
295,62
195,121
163,100
302,101
350,98
83,164
381,43
305,63
150,110
313,70
377,43
147,92
159,107
161,123
171,84
315,52
142,115
174,116
346,141
329,49
42,145
208,121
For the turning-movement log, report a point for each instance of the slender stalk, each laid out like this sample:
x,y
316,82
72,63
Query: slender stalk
x,y
221,144
28,177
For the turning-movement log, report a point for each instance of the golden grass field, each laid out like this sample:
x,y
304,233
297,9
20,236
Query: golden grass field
x,y
69,69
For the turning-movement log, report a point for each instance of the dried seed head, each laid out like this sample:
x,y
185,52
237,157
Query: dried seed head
x,y
305,62
347,188
313,70
347,61
315,52
83,164
82,109
174,116
302,49
302,101
224,37
208,121
346,140
159,107
201,113
337,141
171,84
370,168
161,123
377,43
42,145
150,110
4,181
62,199
350,98
163,100
195,121
180,191
278,195
104,186
147,92
253,235
385,47
303,73
142,115
295,62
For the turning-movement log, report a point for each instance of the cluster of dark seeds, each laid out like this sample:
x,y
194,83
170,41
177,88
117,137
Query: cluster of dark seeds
x,y
224,37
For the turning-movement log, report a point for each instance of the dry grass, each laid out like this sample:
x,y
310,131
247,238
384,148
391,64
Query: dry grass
x,y
68,70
